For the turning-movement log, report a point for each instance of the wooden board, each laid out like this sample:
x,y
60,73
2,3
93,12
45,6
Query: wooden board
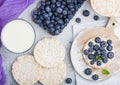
x,y
78,44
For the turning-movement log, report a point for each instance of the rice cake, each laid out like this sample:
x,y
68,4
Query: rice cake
x,y
109,8
25,70
49,52
53,76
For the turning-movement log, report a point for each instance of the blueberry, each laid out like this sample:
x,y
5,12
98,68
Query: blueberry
x,y
70,16
47,9
47,2
51,30
96,47
50,14
58,4
90,49
70,6
35,12
86,13
110,55
98,52
91,56
57,27
92,62
103,44
34,16
53,1
68,80
64,12
79,5
60,21
86,52
43,3
67,20
105,60
97,40
99,63
95,77
90,44
103,52
103,56
57,32
78,20
88,71
59,10
52,6
109,48
96,17
102,48
109,42
45,15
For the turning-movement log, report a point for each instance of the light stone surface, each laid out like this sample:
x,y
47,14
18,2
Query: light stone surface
x,y
65,37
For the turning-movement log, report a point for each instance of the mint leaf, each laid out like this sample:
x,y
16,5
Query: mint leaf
x,y
98,57
105,72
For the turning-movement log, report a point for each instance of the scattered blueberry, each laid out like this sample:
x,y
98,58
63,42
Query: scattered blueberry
x,y
109,42
69,80
110,55
99,63
97,40
109,48
88,71
78,20
86,52
95,77
86,13
96,17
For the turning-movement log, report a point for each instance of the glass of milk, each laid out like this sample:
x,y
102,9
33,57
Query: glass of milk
x,y
18,36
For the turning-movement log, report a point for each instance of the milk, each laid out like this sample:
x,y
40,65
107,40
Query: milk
x,y
17,36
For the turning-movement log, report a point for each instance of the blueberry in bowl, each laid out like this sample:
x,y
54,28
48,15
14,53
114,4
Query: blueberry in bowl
x,y
54,15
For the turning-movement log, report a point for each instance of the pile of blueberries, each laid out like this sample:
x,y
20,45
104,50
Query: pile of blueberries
x,y
54,15
99,52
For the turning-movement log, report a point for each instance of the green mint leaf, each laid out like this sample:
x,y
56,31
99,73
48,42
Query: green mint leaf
x,y
98,57
105,72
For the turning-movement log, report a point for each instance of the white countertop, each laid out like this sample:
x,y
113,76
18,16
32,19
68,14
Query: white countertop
x,y
65,37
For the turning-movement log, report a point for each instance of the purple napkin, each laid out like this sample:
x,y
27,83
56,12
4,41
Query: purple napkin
x,y
11,9
1,2
2,73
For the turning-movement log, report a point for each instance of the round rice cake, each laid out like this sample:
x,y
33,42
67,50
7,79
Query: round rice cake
x,y
109,8
25,70
53,76
49,52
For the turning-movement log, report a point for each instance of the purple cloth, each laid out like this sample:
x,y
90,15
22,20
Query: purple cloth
x,y
1,2
11,9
